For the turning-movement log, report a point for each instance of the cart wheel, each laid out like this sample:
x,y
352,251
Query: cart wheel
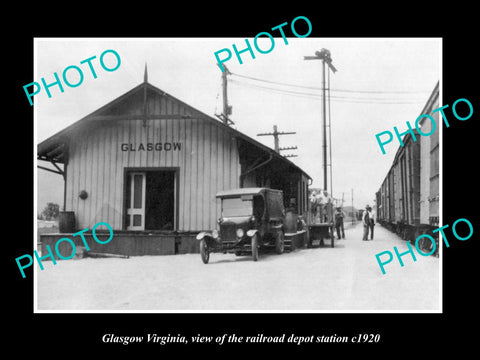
x,y
255,247
204,251
279,243
332,244
425,246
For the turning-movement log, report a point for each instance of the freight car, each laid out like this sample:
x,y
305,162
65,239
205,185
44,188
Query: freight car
x,y
408,199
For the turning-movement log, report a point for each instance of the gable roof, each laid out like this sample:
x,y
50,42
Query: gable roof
x,y
126,106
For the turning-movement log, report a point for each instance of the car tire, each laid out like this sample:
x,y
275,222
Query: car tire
x,y
279,243
255,247
205,254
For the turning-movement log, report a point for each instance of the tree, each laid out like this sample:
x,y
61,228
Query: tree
x,y
50,212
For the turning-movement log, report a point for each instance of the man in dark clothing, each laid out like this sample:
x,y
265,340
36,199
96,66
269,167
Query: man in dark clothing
x,y
339,216
366,222
372,222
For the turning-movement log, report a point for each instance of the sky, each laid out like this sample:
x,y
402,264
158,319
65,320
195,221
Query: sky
x,y
380,83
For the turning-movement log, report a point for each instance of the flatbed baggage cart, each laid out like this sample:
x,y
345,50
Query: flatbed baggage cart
x,y
320,223
320,232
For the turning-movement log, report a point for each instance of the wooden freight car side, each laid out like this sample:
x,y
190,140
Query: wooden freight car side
x,y
403,183
414,183
429,166
408,199
408,171
391,196
384,200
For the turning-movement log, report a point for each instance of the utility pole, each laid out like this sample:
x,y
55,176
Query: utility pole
x,y
275,134
145,108
330,135
227,109
324,55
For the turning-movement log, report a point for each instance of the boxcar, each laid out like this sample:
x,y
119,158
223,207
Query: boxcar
x,y
408,199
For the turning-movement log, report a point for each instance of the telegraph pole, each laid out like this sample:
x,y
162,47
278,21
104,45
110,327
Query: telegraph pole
x,y
227,109
324,55
275,135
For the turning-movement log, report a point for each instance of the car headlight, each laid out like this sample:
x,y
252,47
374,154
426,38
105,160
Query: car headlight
x,y
240,233
215,234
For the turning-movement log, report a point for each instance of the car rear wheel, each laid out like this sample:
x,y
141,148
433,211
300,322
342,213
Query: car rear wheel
x,y
279,243
255,247
204,251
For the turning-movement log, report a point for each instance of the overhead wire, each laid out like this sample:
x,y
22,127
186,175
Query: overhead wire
x,y
339,90
337,98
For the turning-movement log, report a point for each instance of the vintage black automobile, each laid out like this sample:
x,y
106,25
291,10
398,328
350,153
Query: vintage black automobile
x,y
251,220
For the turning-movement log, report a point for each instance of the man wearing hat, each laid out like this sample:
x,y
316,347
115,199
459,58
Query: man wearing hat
x,y
339,216
366,222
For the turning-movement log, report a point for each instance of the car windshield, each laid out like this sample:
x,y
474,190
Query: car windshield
x,y
232,207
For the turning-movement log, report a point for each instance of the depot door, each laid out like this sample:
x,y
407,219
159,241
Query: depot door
x,y
151,200
136,184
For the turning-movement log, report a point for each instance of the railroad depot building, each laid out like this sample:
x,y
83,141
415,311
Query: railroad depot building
x,y
150,166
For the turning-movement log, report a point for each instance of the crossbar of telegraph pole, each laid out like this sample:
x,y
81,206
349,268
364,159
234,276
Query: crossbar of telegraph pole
x,y
275,135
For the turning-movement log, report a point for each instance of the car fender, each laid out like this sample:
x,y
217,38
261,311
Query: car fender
x,y
251,232
203,234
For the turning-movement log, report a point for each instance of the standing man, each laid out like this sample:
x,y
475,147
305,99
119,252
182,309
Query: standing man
x,y
321,202
339,216
366,223
372,222
313,206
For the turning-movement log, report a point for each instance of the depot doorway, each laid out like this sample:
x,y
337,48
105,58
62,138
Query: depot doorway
x,y
151,199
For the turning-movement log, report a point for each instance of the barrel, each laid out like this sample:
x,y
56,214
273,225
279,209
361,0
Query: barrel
x,y
66,222
290,221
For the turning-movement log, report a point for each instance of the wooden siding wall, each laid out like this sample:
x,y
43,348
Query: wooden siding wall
x,y
208,162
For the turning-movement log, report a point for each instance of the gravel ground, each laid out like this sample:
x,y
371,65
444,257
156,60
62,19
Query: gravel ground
x,y
340,279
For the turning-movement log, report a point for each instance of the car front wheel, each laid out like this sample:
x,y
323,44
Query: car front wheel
x,y
255,247
279,243
204,251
